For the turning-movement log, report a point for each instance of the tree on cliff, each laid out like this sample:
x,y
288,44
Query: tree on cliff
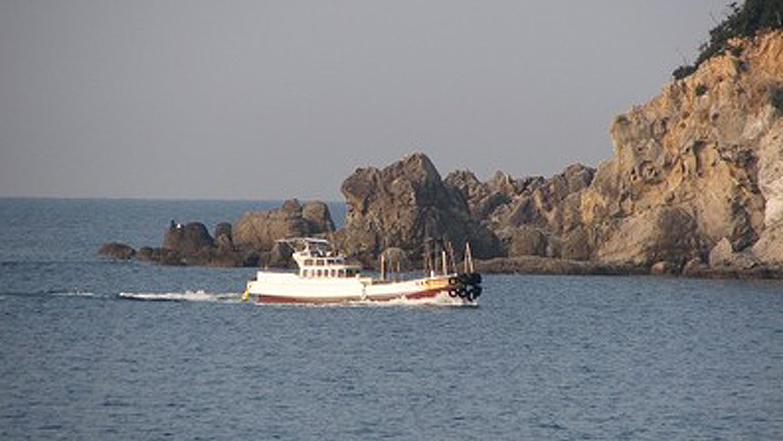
x,y
743,21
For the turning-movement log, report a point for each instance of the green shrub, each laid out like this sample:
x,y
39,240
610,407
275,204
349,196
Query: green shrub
x,y
683,71
743,21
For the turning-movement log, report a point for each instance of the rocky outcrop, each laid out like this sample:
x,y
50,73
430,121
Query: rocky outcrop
x,y
188,239
251,241
531,216
191,244
552,266
407,205
260,230
119,251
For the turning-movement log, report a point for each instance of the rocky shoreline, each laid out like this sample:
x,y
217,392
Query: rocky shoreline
x,y
695,188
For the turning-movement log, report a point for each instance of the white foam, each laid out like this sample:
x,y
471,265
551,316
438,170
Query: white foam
x,y
187,296
441,300
75,294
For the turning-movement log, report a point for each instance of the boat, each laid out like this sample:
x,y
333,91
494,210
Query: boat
x,y
323,276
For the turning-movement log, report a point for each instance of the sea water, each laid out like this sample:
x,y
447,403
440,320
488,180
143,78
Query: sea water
x,y
92,348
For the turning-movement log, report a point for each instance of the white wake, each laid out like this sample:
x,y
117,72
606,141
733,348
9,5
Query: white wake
x,y
187,296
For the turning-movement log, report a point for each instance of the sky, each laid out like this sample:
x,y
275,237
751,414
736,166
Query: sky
x,y
233,99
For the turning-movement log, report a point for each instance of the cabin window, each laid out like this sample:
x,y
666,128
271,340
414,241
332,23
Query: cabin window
x,y
308,262
319,262
319,273
341,273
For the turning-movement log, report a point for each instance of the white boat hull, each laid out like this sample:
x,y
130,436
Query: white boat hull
x,y
270,287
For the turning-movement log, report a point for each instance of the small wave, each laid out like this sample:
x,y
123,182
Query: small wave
x,y
187,296
73,294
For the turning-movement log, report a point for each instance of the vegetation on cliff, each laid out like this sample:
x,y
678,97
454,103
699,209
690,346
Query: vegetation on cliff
x,y
743,21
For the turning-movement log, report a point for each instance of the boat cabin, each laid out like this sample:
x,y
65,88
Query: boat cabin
x,y
317,260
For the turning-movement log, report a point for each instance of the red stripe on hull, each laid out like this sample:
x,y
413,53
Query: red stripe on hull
x,y
268,298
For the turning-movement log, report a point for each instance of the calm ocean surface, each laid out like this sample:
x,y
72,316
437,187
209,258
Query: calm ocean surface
x,y
96,349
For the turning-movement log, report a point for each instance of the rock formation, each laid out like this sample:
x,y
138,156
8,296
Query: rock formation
x,y
251,241
189,239
406,205
532,216
697,178
260,230
695,187
697,167
118,251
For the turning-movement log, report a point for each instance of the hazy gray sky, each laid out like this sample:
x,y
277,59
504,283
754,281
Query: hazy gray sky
x,y
273,99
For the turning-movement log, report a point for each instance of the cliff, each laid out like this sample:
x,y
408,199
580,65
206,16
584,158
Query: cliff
x,y
698,164
695,183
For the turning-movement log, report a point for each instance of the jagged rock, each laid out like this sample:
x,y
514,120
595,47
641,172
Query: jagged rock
x,y
223,237
664,268
116,250
513,208
317,214
280,256
545,265
403,206
260,230
482,200
223,229
695,268
189,239
528,241
723,255
163,256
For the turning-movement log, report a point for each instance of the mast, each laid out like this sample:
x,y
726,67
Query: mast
x,y
445,262
468,258
383,266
